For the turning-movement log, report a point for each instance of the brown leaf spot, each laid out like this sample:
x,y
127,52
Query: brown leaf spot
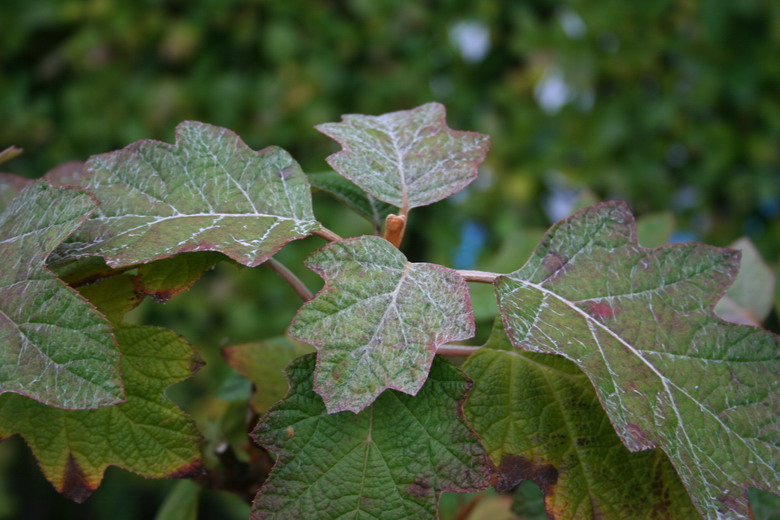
x,y
420,488
600,311
286,173
637,438
515,469
290,432
74,482
553,262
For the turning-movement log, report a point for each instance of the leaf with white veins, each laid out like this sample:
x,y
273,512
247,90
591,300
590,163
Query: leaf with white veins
x,y
670,374
208,192
408,158
54,346
378,321
147,434
391,460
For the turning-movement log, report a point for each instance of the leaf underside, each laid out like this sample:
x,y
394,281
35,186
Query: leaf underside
x,y
390,461
378,321
669,373
375,211
540,420
54,346
263,363
208,192
408,158
147,434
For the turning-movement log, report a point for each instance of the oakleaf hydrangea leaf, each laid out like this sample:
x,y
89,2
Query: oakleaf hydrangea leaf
x,y
670,374
378,321
114,296
165,278
391,460
208,192
54,346
10,186
408,158
540,420
147,434
263,363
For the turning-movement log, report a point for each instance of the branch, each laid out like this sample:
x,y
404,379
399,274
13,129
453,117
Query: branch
x,y
456,350
327,234
289,277
478,276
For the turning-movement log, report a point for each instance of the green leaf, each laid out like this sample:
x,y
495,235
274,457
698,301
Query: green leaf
x,y
165,278
408,158
540,420
263,363
181,502
114,296
655,229
208,192
749,299
147,434
670,374
391,460
375,211
378,321
54,346
10,186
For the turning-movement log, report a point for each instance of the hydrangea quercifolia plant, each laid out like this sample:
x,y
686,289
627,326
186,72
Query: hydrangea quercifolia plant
x,y
609,380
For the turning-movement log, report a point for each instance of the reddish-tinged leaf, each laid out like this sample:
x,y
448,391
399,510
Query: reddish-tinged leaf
x,y
54,346
378,321
208,192
670,374
10,186
391,460
408,158
67,174
541,420
147,434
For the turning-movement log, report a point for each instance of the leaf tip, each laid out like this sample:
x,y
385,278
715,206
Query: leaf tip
x,y
75,485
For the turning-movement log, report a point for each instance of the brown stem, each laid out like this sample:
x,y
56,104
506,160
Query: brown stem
x,y
327,234
456,350
394,229
289,277
478,276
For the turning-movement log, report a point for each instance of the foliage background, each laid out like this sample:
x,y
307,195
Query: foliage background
x,y
670,105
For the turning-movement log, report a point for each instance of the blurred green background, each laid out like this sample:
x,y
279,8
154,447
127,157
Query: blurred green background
x,y
673,106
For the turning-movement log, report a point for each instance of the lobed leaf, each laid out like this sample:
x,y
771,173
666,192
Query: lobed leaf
x,y
378,321
391,460
208,192
263,363
54,346
408,158
670,374
540,420
147,434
